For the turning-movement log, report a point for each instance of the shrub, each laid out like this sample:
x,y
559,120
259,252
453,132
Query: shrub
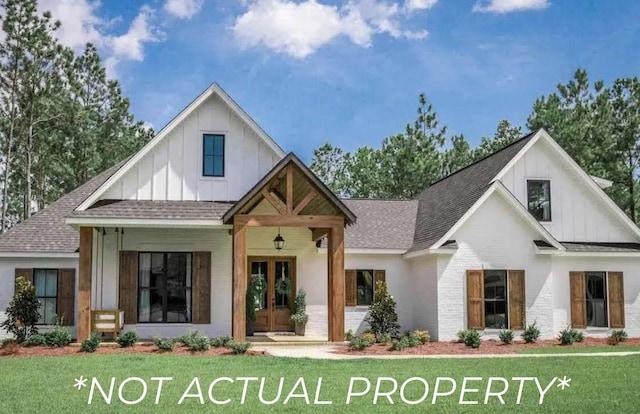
x,y
127,339
300,308
37,339
164,344
620,335
22,313
567,336
423,336
349,335
531,333
506,336
369,336
472,339
58,336
199,344
412,339
8,342
187,338
238,348
462,335
578,336
91,343
382,317
221,341
400,344
360,343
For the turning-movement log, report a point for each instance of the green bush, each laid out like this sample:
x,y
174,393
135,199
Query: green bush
x,y
462,335
531,333
360,343
349,335
164,344
238,348
91,343
300,308
567,336
423,335
400,344
22,313
369,336
199,344
58,336
620,334
413,339
578,336
37,339
127,339
221,341
8,341
382,317
472,339
506,336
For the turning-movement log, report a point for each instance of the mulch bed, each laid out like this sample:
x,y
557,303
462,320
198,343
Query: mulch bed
x,y
491,347
14,350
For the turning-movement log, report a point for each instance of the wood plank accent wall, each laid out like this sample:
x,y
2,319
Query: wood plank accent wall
x,y
201,293
128,297
84,283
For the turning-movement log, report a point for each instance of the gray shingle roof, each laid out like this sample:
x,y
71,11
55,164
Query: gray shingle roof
x,y
590,247
46,231
444,202
382,224
170,210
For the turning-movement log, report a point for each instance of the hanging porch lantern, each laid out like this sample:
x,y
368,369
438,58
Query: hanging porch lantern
x,y
278,242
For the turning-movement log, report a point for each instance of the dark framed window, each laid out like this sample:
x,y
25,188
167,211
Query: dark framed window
x,y
213,155
45,282
364,287
596,299
539,199
495,299
164,287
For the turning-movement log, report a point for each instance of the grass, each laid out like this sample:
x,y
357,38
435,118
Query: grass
x,y
45,384
559,349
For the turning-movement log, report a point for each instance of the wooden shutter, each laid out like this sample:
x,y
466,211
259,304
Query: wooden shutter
x,y
379,276
26,273
128,301
616,300
517,305
475,299
350,287
66,296
201,288
578,300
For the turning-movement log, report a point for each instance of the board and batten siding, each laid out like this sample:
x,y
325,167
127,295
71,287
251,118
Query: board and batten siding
x,y
577,213
173,169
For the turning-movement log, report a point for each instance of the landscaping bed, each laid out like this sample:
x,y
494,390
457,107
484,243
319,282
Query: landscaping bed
x,y
493,347
14,350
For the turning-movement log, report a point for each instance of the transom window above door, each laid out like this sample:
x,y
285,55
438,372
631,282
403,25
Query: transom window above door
x,y
539,199
213,155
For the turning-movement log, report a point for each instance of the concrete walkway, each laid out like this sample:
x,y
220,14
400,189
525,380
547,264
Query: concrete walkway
x,y
326,352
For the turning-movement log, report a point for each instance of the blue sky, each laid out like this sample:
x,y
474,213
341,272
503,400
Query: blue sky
x,y
349,72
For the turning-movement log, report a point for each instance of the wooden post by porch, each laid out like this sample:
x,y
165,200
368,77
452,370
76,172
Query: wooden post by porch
x,y
335,269
239,323
84,284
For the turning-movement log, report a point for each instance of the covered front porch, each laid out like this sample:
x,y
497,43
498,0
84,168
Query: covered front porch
x,y
187,265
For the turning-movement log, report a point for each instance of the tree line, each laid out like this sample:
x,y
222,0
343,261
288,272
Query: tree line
x,y
62,120
597,124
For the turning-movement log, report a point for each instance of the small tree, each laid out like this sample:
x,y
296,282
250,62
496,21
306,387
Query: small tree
x,y
382,317
22,313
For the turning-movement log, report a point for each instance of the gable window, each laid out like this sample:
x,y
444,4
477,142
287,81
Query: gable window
x,y
495,299
45,282
597,299
360,285
164,287
213,155
539,199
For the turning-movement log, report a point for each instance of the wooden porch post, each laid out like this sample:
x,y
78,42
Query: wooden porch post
x,y
84,284
335,268
239,323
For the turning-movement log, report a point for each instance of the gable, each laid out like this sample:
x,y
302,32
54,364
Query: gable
x,y
170,167
579,212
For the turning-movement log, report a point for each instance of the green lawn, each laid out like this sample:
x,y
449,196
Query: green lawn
x,y
559,349
45,384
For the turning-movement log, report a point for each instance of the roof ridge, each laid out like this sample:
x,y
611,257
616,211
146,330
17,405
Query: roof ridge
x,y
530,134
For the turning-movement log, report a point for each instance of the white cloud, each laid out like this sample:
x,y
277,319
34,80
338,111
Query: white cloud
x,y
507,6
300,28
183,9
80,23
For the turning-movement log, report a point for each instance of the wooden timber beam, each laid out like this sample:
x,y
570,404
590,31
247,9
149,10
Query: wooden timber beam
x,y
274,202
304,202
289,189
317,234
288,221
84,283
239,317
336,283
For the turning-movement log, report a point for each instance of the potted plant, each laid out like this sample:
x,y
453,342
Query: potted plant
x,y
300,317
251,307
